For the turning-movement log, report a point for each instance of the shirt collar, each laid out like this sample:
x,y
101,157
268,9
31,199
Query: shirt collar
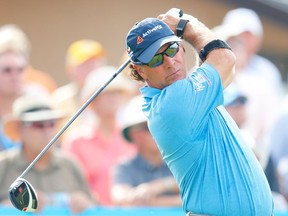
x,y
149,92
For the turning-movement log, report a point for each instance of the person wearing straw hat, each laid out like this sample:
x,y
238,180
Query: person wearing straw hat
x,y
14,71
144,180
57,177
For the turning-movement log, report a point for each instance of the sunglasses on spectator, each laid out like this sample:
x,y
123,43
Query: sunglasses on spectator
x,y
40,124
158,59
9,70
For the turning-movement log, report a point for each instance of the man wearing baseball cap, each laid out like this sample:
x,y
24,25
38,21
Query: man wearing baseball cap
x,y
217,173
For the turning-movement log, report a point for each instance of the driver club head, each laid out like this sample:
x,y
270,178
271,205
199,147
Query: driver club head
x,y
23,195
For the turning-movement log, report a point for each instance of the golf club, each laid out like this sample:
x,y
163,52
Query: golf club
x,y
21,193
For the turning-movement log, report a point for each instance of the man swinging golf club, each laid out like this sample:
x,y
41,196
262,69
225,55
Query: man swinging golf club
x,y
217,173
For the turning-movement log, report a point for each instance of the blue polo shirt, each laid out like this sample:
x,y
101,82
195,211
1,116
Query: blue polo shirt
x,y
216,171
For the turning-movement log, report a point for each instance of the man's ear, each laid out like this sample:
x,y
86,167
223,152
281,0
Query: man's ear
x,y
140,69
136,67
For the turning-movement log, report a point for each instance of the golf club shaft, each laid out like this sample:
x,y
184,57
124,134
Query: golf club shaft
x,y
72,119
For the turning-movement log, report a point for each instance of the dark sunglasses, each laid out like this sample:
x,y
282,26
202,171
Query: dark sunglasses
x,y
158,59
9,70
39,125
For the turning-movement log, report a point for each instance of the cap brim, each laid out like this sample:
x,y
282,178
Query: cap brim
x,y
148,54
44,115
125,130
125,133
239,100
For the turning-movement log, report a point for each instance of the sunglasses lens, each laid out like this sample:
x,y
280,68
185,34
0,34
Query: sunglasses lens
x,y
171,52
40,125
9,70
23,196
156,60
43,124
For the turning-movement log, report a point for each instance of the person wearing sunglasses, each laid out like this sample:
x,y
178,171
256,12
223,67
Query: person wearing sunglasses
x,y
57,177
217,173
12,66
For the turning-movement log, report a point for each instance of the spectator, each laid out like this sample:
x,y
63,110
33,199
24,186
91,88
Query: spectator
x,y
257,77
98,143
12,66
12,35
282,170
56,173
279,150
235,103
279,136
82,57
144,180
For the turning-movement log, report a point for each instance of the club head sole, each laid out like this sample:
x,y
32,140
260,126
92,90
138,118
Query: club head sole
x,y
23,196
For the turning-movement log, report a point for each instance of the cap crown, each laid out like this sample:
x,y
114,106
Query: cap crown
x,y
143,35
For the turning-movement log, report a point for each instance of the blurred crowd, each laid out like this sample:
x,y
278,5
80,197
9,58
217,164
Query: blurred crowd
x,y
108,157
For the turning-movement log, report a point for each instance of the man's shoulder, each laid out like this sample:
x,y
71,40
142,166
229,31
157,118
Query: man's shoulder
x,y
9,154
9,157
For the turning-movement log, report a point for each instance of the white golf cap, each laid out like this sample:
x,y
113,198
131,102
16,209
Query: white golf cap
x,y
29,108
234,96
132,115
238,21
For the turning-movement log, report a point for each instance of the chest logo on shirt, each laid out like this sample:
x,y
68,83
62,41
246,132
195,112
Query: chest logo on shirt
x,y
198,79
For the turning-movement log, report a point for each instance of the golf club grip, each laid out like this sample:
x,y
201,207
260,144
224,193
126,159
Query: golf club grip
x,y
72,119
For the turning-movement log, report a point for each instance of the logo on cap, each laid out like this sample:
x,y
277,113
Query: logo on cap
x,y
139,40
145,38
